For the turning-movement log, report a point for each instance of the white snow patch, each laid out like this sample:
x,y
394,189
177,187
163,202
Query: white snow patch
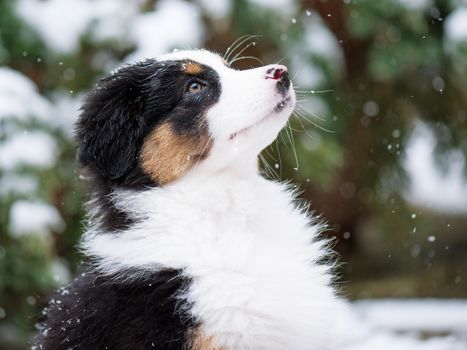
x,y
60,271
29,148
61,23
431,315
319,40
428,185
27,217
19,97
113,18
415,4
455,26
287,6
174,24
388,341
404,324
17,184
65,111
217,8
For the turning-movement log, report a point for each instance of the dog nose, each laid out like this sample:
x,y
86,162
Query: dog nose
x,y
279,72
276,72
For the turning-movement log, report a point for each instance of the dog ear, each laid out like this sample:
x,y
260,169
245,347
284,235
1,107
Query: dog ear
x,y
110,128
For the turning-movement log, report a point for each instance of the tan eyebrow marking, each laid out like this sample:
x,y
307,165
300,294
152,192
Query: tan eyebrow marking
x,y
192,68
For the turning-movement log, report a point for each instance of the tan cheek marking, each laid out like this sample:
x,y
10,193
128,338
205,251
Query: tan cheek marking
x,y
166,155
193,68
199,341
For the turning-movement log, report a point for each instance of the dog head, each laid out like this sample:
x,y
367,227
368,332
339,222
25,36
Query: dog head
x,y
155,121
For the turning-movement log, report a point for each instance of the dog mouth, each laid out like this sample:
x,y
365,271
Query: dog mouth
x,y
279,107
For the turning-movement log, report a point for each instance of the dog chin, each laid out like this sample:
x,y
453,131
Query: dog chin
x,y
275,119
254,139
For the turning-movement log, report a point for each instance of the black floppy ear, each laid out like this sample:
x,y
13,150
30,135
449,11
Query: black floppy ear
x,y
110,128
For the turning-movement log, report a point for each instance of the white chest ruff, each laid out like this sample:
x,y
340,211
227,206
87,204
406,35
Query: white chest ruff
x,y
251,255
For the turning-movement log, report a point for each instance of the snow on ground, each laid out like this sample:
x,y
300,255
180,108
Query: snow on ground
x,y
431,315
429,186
430,324
388,341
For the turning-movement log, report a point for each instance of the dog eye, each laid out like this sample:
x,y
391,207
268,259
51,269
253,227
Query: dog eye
x,y
195,87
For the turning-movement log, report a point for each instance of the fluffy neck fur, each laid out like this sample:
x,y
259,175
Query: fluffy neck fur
x,y
252,255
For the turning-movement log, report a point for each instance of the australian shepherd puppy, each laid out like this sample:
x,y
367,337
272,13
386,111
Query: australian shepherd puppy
x,y
189,246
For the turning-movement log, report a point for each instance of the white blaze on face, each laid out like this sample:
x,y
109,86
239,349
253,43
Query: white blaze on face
x,y
245,119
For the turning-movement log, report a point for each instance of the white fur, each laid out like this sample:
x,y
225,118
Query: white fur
x,y
251,253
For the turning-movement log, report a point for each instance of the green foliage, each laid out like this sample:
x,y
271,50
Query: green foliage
x,y
18,43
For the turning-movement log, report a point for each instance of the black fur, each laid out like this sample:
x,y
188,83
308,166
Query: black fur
x,y
121,312
110,219
283,84
104,312
124,107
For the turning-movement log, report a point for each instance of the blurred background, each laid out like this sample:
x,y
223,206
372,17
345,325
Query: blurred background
x,y
378,143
